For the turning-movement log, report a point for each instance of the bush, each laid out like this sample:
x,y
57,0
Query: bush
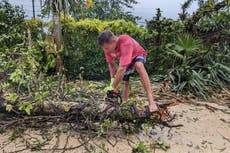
x,y
11,24
36,27
20,65
194,67
162,31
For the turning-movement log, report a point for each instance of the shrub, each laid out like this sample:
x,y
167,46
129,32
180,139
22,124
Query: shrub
x,y
11,24
195,67
161,31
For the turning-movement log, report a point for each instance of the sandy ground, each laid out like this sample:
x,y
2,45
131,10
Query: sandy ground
x,y
203,131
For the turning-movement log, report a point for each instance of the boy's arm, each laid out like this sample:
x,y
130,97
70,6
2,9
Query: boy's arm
x,y
119,75
112,69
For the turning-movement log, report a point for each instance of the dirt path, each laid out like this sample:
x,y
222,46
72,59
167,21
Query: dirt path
x,y
202,131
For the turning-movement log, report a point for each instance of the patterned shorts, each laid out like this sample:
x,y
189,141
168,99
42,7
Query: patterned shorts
x,y
130,69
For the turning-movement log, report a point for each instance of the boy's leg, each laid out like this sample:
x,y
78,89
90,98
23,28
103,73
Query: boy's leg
x,y
146,83
125,93
128,73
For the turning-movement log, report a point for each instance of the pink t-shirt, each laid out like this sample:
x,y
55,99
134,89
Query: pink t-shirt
x,y
127,49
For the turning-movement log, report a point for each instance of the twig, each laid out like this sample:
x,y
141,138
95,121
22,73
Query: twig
x,y
100,147
56,144
223,136
66,143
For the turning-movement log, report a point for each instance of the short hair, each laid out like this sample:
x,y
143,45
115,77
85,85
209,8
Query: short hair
x,y
105,37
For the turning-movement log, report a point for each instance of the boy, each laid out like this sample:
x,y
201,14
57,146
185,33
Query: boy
x,y
131,56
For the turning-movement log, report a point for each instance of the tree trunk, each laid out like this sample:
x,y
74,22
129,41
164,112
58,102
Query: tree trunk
x,y
92,109
57,35
29,39
33,8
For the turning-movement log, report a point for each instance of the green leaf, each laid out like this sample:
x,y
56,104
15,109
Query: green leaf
x,y
9,107
67,108
28,109
26,106
12,97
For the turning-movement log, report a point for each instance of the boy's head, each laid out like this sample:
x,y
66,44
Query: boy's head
x,y
107,40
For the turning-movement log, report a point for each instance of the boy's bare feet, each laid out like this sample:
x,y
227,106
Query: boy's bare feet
x,y
153,107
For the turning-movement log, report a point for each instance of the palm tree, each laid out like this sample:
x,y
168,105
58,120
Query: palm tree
x,y
187,72
57,33
56,7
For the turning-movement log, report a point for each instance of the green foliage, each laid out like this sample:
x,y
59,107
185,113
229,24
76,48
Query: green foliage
x,y
217,21
38,144
109,10
12,97
105,126
11,24
193,62
20,65
183,15
36,27
24,65
40,96
185,73
194,68
141,148
206,10
81,50
16,133
162,145
93,148
101,9
25,106
162,31
9,107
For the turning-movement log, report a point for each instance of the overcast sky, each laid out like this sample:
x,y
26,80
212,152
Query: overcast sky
x,y
170,8
145,8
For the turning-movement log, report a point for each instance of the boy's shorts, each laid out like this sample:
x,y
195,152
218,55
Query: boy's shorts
x,y
130,69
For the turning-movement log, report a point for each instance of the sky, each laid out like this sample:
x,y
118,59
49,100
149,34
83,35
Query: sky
x,y
170,8
145,8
